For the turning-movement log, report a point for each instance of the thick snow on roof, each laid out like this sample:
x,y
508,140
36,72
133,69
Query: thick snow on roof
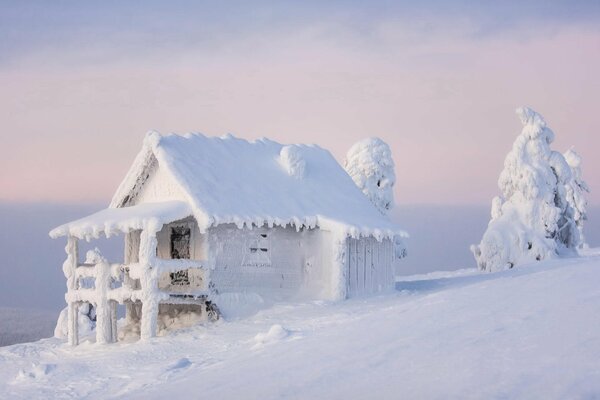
x,y
231,180
112,221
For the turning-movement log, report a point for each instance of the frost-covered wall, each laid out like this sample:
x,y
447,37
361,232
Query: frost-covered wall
x,y
304,264
272,262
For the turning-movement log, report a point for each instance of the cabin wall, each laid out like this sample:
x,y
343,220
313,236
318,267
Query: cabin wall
x,y
369,266
318,264
272,262
281,263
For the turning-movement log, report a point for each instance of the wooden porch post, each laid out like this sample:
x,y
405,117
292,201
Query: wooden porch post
x,y
131,256
103,308
149,284
69,267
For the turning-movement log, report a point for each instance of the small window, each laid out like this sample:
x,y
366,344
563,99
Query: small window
x,y
180,278
257,251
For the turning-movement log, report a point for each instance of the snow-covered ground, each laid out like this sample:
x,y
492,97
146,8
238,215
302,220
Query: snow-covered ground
x,y
531,332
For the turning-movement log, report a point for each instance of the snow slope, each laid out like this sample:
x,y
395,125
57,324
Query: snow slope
x,y
25,325
530,332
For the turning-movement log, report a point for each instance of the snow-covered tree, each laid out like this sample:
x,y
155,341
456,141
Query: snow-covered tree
x,y
370,165
576,189
532,220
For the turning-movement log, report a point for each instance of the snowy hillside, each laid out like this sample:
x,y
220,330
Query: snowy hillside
x,y
21,325
530,332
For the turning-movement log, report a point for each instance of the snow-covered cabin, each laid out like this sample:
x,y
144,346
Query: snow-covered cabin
x,y
204,217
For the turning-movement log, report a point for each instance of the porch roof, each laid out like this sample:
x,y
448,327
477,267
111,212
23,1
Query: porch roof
x,y
111,221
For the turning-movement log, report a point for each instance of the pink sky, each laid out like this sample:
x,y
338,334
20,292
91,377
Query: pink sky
x,y
444,101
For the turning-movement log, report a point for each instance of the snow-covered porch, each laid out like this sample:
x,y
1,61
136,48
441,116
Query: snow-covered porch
x,y
136,282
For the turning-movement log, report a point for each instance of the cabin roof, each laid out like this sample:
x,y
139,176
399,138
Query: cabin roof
x,y
254,183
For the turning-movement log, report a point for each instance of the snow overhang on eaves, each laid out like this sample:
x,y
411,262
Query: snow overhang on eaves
x,y
112,221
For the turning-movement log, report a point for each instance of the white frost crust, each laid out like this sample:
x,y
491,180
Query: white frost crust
x,y
532,220
260,183
112,221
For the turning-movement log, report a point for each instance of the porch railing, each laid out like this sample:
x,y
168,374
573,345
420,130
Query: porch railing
x,y
106,284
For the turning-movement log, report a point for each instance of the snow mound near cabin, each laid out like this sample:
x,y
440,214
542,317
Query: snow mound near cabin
x,y
276,333
529,332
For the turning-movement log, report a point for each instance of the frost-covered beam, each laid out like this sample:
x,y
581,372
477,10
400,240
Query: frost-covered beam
x,y
113,320
163,266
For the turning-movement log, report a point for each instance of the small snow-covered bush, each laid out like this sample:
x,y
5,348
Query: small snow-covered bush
x,y
370,165
86,321
576,189
532,220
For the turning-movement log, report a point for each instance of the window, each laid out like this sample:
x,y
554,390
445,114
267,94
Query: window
x,y
180,278
180,249
180,242
257,251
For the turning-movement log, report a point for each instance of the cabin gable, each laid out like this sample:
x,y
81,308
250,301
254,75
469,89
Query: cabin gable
x,y
159,186
153,184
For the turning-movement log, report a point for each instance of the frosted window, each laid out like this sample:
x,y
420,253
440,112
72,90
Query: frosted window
x,y
257,252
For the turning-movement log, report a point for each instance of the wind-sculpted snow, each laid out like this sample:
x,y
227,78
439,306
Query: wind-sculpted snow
x,y
529,332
